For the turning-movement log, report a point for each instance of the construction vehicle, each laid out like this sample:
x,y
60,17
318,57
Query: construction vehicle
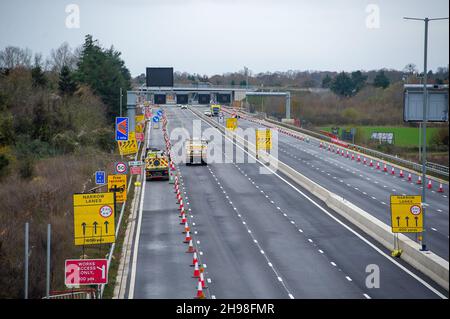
x,y
196,151
156,164
215,109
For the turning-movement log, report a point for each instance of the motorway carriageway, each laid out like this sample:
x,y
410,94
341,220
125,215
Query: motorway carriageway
x,y
364,186
259,236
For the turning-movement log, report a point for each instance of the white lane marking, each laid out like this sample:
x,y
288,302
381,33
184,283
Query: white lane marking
x,y
321,251
136,245
367,296
208,280
291,296
213,297
348,278
333,263
382,253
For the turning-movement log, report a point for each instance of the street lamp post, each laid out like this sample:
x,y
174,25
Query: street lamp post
x,y
424,123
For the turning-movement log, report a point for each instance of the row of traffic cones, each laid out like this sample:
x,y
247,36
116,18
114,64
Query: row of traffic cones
x,y
378,167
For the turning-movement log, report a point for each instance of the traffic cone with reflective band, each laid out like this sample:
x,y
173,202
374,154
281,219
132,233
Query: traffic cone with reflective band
x,y
188,238
409,177
359,158
353,156
348,154
429,184
392,171
200,294
419,180
401,173
385,168
441,188
196,271
329,147
194,259
364,161
202,280
183,219
186,227
342,152
191,248
181,213
378,165
371,163
181,205
320,145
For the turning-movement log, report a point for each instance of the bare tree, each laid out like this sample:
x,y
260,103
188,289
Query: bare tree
x,y
12,57
62,56
410,68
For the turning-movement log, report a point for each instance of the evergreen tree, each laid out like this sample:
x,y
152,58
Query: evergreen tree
x,y
342,85
359,80
38,77
381,80
67,85
326,82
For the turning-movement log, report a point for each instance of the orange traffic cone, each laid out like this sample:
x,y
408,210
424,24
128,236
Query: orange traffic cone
x,y
202,280
186,227
342,152
196,271
378,165
181,204
409,177
320,145
200,294
353,156
441,188
359,158
188,238
191,249
347,155
429,184
194,259
392,171
183,219
419,180
401,173
385,168
371,163
181,213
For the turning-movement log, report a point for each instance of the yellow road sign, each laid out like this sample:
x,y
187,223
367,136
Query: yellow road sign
x,y
264,139
119,184
130,146
93,218
406,214
231,124
139,128
139,118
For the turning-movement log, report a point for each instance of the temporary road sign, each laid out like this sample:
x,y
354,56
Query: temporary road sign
x,y
86,272
94,218
159,112
120,168
128,147
155,119
263,139
231,124
136,170
135,163
139,137
99,177
118,183
406,214
121,128
140,118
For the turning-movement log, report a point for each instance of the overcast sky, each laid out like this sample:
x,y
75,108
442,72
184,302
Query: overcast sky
x,y
217,36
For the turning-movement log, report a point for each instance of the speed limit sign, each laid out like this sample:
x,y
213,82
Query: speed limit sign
x,y
120,168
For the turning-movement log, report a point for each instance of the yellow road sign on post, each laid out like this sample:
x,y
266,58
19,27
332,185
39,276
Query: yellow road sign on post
x,y
118,183
263,139
231,124
140,118
406,214
93,218
130,146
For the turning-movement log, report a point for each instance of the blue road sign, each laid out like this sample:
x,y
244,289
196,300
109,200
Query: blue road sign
x,y
121,128
155,119
160,113
99,177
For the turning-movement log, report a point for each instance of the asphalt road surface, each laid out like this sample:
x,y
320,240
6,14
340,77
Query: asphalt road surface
x,y
259,236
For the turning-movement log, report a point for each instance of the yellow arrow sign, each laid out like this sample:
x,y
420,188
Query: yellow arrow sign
x,y
93,218
264,139
406,214
130,146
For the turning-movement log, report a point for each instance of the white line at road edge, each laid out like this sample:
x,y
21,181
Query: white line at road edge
x,y
336,219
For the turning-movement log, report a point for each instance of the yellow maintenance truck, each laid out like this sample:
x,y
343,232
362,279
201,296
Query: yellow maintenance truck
x,y
196,151
215,109
156,164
